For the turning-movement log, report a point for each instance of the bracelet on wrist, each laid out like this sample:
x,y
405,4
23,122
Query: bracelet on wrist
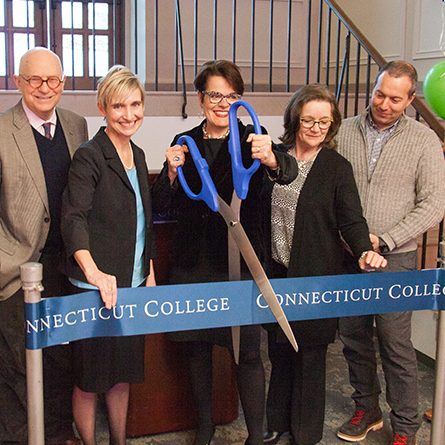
x,y
363,255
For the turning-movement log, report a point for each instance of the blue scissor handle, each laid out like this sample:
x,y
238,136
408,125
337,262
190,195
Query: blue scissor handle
x,y
208,191
241,175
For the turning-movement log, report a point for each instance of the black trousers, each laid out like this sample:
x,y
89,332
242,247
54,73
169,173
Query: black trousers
x,y
13,414
297,391
57,368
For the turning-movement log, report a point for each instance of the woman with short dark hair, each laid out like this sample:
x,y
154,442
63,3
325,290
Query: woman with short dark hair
x,y
200,245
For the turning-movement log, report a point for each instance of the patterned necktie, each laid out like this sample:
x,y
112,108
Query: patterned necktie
x,y
47,127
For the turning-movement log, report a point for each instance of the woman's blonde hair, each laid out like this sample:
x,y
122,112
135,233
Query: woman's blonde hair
x,y
119,83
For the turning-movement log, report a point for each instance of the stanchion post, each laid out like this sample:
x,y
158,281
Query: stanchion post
x,y
31,275
438,425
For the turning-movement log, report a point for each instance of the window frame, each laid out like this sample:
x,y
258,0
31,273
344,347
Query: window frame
x,y
54,31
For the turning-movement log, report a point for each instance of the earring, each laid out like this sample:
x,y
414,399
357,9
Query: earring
x,y
201,113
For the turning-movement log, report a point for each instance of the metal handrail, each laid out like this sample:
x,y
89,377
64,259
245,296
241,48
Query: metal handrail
x,y
421,109
418,105
181,57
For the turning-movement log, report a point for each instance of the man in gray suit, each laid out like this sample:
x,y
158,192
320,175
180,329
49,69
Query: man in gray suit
x,y
37,141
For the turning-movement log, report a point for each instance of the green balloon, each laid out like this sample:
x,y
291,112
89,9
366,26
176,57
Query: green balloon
x,y
434,88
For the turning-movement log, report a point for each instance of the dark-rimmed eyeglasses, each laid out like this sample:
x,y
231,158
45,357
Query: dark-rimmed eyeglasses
x,y
216,98
323,124
37,82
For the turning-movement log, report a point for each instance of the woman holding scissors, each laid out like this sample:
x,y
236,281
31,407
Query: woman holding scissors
x,y
108,233
200,247
306,224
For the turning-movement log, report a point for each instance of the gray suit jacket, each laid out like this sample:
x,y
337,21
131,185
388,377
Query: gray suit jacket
x,y
24,211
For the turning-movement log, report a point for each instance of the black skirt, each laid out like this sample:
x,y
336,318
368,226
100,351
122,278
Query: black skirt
x,y
102,362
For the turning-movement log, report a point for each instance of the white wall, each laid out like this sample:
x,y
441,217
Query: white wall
x,y
401,29
156,133
162,116
424,332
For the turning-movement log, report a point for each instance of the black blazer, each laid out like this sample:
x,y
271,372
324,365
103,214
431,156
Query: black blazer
x,y
99,210
328,208
201,233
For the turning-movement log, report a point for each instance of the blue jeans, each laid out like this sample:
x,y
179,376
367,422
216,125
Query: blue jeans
x,y
397,353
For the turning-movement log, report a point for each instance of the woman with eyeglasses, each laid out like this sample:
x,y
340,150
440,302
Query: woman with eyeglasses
x,y
200,245
306,223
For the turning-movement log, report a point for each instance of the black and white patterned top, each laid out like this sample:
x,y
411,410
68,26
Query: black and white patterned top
x,y
284,207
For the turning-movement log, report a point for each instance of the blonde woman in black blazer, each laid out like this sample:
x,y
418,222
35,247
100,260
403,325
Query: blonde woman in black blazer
x,y
108,233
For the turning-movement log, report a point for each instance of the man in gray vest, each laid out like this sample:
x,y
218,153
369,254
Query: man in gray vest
x,y
400,173
37,141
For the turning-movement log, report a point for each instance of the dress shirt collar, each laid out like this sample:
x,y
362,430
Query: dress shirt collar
x,y
371,124
36,122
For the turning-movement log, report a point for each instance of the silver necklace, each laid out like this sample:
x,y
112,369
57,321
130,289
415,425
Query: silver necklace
x,y
132,160
207,135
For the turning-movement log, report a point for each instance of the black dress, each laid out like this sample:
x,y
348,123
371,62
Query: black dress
x,y
102,362
200,245
200,254
99,215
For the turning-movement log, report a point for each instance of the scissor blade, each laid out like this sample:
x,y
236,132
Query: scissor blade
x,y
239,235
236,335
235,273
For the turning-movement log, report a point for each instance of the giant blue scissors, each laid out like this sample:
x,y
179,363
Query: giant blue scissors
x,y
208,194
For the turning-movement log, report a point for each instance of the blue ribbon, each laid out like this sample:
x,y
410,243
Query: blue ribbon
x,y
208,305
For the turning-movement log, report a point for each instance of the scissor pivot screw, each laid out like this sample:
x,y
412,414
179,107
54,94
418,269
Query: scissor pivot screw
x,y
233,223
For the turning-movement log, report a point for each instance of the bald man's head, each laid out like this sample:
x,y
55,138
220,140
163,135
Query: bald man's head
x,y
35,65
